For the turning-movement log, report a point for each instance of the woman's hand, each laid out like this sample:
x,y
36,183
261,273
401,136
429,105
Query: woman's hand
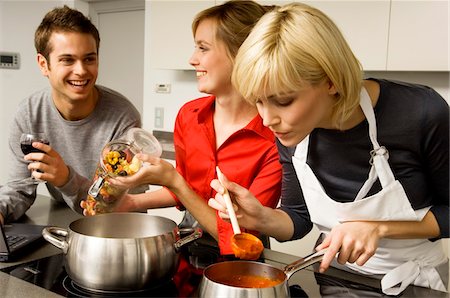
x,y
248,209
126,203
353,242
154,171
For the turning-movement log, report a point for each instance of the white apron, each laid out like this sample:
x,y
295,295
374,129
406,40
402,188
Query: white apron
x,y
402,261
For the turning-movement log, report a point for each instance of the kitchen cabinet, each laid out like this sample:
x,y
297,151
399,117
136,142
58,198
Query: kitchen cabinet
x,y
393,35
365,26
171,42
419,36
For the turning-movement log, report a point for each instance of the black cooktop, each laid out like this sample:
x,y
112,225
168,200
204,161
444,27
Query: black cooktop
x,y
49,273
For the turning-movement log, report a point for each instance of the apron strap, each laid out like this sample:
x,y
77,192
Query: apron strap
x,y
366,106
379,155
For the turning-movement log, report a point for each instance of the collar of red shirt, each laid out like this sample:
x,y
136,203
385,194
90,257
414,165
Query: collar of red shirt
x,y
206,110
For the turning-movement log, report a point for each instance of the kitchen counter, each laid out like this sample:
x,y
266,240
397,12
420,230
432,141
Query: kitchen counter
x,y
44,211
165,139
48,212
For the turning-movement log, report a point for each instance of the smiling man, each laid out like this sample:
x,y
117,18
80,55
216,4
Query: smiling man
x,y
77,116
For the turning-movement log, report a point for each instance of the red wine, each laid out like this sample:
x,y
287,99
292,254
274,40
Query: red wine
x,y
28,148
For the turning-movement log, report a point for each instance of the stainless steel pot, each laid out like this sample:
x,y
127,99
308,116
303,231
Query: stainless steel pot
x,y
226,279
120,251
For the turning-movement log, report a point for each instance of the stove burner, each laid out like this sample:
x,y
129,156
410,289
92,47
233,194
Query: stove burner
x,y
202,257
201,253
165,290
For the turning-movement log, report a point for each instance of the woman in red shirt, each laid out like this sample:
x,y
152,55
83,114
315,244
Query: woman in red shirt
x,y
216,130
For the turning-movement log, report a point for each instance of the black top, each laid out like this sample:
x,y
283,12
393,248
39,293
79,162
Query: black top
x,y
412,123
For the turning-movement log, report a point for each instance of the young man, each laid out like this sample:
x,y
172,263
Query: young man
x,y
77,117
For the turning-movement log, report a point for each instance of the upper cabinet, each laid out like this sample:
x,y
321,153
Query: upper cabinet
x,y
419,36
397,35
365,26
171,40
394,35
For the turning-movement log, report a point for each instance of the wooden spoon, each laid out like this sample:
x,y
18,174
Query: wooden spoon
x,y
244,245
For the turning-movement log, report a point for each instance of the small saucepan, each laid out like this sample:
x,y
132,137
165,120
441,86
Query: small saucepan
x,y
251,279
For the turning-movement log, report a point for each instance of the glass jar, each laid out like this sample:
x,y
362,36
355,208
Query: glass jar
x,y
118,159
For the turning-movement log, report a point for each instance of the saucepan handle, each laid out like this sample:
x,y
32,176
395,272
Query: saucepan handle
x,y
50,233
197,233
304,262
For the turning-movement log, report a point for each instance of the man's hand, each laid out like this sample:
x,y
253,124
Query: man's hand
x,y
50,163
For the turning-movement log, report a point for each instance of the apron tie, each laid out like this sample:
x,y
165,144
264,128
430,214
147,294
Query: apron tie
x,y
412,272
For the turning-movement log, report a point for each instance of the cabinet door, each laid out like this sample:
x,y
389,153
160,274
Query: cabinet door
x,y
171,40
364,24
419,35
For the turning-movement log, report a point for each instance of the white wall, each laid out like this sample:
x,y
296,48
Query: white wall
x,y
184,88
18,21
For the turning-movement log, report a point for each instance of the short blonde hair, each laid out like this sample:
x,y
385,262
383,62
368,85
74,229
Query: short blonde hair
x,y
295,45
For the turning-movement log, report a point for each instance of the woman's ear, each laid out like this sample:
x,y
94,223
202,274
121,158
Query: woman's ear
x,y
331,88
43,64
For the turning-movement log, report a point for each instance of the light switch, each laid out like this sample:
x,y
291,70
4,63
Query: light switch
x,y
159,117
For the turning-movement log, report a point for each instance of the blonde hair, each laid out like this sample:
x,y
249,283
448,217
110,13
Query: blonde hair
x,y
233,22
295,45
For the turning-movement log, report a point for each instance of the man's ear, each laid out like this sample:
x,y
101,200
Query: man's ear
x,y
43,64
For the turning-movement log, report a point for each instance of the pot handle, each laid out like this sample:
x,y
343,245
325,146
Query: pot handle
x,y
49,235
197,233
304,262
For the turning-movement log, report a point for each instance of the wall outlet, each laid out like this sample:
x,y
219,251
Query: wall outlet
x,y
159,117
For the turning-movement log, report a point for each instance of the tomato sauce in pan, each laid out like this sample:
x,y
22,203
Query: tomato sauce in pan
x,y
250,281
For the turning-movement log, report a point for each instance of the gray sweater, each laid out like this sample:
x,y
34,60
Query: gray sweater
x,y
78,142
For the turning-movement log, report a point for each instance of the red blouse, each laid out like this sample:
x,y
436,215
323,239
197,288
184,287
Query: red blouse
x,y
248,157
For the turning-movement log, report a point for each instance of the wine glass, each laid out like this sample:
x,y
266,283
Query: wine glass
x,y
26,141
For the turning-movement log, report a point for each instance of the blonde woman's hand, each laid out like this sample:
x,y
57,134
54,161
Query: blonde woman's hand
x,y
247,208
353,242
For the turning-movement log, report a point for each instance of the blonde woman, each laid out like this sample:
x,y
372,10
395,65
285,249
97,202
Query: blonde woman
x,y
365,160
